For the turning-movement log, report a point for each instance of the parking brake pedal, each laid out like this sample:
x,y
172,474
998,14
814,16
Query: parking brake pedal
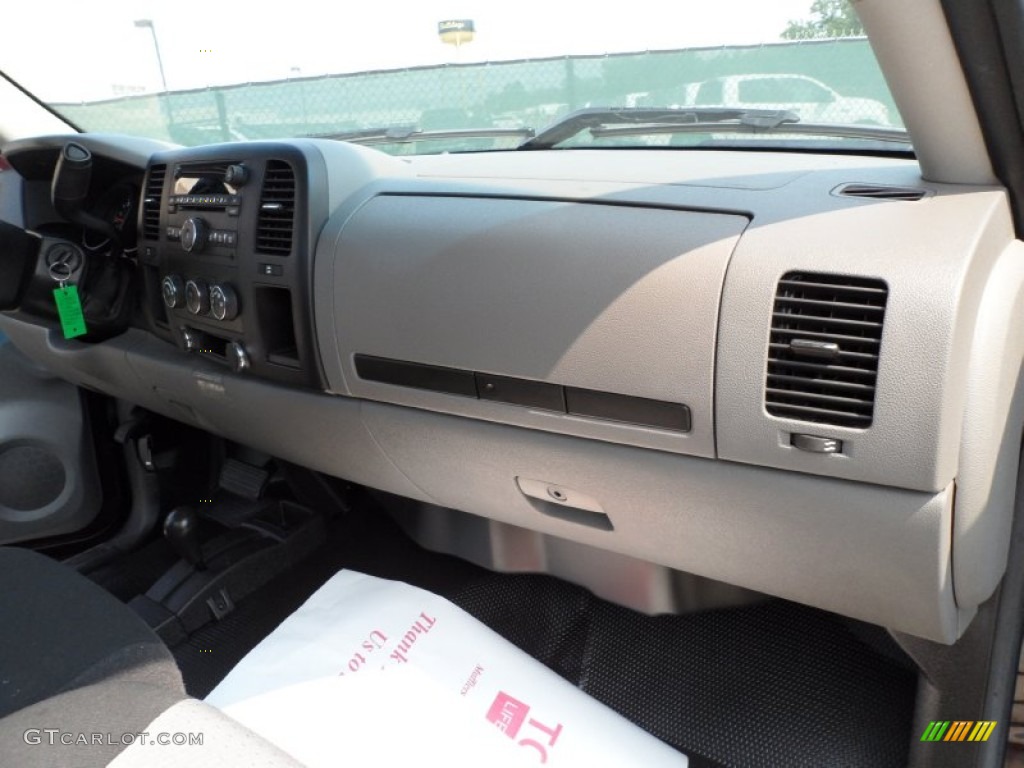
x,y
243,479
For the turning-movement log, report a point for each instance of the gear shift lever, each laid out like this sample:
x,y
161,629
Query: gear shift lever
x,y
181,529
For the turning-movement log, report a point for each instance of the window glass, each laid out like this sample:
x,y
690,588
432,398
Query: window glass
x,y
195,73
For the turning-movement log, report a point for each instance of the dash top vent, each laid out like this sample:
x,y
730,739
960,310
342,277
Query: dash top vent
x,y
276,224
151,202
882,192
823,353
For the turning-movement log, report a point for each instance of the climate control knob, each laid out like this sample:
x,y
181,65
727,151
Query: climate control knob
x,y
223,302
193,234
197,297
172,288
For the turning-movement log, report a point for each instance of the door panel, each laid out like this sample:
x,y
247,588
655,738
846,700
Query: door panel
x,y
49,483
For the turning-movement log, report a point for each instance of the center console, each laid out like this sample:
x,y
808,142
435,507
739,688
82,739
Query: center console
x,y
224,241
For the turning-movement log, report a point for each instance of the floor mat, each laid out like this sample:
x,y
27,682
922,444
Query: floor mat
x,y
210,653
132,574
771,684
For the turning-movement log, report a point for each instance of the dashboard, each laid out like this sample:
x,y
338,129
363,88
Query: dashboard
x,y
790,372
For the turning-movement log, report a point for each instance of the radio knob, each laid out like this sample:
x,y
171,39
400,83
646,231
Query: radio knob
x,y
172,288
236,175
193,234
223,302
238,356
197,297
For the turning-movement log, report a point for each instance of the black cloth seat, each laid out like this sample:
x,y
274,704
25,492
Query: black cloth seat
x,y
74,657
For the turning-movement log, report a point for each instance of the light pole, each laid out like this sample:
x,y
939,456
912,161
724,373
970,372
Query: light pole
x,y
148,24
297,72
457,32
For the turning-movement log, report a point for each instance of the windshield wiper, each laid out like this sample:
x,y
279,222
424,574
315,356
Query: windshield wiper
x,y
402,134
644,121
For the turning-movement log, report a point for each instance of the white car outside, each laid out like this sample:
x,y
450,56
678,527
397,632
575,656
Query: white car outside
x,y
812,100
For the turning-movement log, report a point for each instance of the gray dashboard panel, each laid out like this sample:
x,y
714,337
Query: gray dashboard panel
x,y
619,299
514,265
102,367
316,430
935,256
991,438
878,554
319,431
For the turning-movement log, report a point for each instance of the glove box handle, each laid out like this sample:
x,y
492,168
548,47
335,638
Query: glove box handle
x,y
564,503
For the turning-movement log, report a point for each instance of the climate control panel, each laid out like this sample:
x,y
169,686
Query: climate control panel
x,y
219,300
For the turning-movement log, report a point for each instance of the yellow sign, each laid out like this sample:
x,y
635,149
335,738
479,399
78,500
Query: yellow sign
x,y
456,31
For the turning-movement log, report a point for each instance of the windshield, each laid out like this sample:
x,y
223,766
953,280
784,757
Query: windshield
x,y
415,76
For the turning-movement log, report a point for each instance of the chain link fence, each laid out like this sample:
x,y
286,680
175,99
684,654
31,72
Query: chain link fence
x,y
830,81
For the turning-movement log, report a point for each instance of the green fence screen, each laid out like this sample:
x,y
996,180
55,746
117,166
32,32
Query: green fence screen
x,y
529,93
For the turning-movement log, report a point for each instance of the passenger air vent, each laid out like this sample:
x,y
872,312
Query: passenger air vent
x,y
823,353
277,210
151,202
881,192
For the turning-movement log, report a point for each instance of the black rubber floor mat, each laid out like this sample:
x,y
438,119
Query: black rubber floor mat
x,y
774,684
210,653
134,573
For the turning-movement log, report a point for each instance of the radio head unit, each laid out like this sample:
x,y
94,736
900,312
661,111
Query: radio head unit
x,y
208,186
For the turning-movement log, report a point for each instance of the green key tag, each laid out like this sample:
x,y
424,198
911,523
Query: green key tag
x,y
69,309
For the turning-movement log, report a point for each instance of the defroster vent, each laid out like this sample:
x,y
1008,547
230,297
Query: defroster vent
x,y
823,355
882,192
276,224
151,202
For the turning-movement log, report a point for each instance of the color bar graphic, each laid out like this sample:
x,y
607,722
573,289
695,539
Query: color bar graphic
x,y
959,730
935,730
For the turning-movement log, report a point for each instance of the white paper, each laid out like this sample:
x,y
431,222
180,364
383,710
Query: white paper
x,y
370,669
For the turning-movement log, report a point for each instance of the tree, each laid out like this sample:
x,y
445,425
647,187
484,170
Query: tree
x,y
830,18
